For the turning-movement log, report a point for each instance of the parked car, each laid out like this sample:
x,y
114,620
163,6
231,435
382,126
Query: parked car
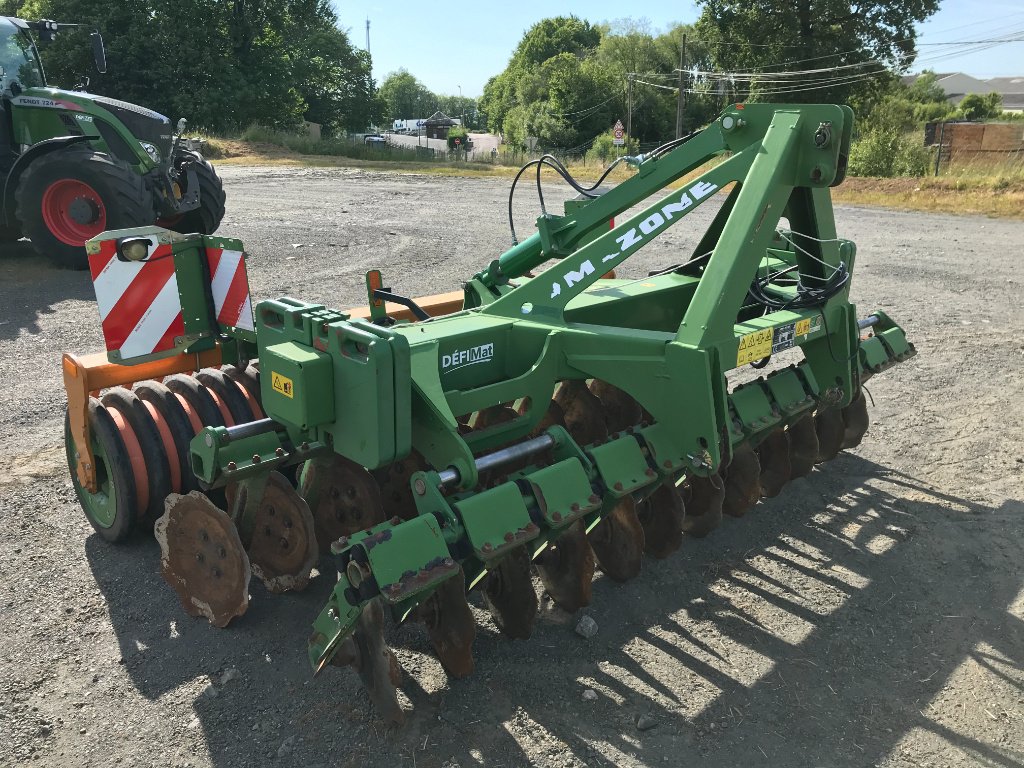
x,y
375,141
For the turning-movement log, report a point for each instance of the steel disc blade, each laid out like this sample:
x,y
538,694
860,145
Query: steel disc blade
x,y
704,505
202,558
742,482
342,496
584,416
283,546
450,626
620,410
618,541
395,489
566,568
773,453
803,446
829,426
510,595
376,663
661,514
855,419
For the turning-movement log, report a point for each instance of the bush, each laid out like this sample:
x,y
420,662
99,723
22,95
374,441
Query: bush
x,y
887,154
603,150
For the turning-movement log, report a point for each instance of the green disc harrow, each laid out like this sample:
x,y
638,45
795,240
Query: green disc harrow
x,y
539,423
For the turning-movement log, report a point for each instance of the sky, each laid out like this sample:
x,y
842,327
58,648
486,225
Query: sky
x,y
446,50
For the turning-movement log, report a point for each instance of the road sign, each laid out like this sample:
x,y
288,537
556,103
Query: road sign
x,y
618,132
457,142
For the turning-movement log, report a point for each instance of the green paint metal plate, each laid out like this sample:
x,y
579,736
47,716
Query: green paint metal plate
x,y
408,559
496,521
297,384
788,390
563,493
753,407
622,466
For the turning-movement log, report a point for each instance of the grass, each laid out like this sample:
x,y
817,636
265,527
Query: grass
x,y
992,185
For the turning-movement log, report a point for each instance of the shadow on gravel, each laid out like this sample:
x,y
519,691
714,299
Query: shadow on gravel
x,y
817,629
31,286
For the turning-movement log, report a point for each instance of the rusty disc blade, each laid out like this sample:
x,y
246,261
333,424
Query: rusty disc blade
x,y
566,568
342,496
395,489
831,430
552,417
803,446
618,541
742,481
620,410
450,626
704,505
661,514
376,663
283,548
202,558
773,453
855,418
584,415
510,595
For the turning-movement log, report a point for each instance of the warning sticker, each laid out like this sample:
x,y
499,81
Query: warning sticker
x,y
807,325
282,384
754,346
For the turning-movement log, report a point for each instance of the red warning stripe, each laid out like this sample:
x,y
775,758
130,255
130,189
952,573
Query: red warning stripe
x,y
136,301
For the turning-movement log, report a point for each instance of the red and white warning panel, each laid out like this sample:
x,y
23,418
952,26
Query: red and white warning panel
x,y
140,304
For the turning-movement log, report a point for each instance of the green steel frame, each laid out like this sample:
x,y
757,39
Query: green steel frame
x,y
373,392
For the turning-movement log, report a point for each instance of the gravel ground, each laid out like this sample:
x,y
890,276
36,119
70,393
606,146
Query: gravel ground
x,y
870,615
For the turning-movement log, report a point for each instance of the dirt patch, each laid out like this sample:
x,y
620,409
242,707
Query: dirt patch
x,y
872,614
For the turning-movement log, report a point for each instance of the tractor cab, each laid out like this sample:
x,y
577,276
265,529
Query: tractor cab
x,y
20,68
74,164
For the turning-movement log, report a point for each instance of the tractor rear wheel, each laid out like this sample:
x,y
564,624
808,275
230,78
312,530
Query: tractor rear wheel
x,y
73,194
207,217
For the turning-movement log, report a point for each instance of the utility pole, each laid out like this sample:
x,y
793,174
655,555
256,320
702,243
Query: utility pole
x,y
367,34
629,107
682,92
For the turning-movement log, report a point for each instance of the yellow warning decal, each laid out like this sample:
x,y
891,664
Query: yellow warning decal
x,y
282,384
803,327
754,346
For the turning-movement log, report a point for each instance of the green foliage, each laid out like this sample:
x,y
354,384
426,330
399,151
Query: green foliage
x,y
887,154
406,98
604,150
337,147
566,83
975,106
220,64
900,108
812,35
460,133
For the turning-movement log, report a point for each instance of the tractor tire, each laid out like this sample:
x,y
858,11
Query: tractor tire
x,y
207,217
73,194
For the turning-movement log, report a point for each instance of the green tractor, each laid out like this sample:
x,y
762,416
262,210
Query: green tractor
x,y
73,164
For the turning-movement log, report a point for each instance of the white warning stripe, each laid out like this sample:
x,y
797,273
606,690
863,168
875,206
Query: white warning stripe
x,y
245,316
221,283
114,279
154,323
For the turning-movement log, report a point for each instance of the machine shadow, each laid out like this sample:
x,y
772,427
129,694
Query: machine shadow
x,y
32,286
819,627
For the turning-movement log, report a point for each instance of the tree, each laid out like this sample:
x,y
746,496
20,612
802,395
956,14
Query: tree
x,y
221,63
975,106
841,50
405,98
